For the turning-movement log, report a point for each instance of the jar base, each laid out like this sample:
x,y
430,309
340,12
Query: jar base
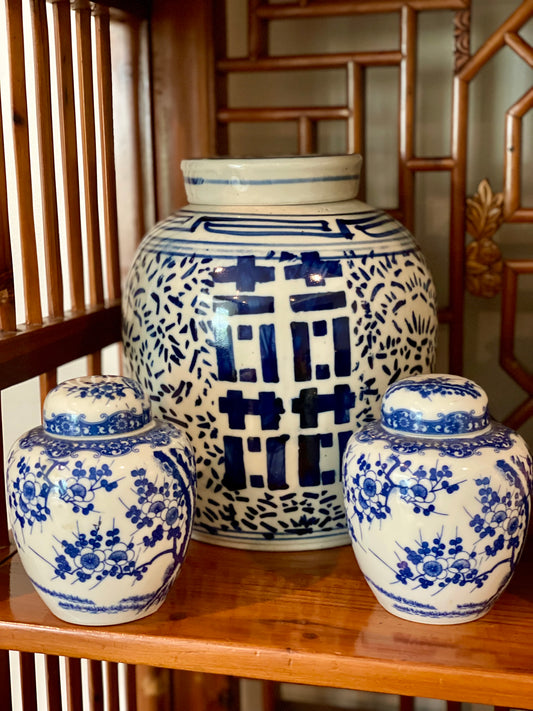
x,y
98,618
305,543
428,614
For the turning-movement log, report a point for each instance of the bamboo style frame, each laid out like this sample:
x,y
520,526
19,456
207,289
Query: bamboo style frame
x,y
466,68
52,334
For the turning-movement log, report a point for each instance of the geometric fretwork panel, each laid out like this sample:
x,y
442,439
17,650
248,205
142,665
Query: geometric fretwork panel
x,y
316,75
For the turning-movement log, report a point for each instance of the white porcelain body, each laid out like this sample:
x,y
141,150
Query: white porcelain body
x,y
270,331
438,501
101,513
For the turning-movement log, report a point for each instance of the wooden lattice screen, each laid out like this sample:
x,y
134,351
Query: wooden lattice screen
x,y
481,268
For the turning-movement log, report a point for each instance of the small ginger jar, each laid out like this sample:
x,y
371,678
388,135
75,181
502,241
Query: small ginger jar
x,y
438,500
101,500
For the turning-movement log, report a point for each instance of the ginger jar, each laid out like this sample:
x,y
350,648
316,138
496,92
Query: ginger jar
x,y
267,317
438,499
101,500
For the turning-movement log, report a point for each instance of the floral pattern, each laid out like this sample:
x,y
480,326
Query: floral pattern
x,y
103,388
373,481
438,385
125,519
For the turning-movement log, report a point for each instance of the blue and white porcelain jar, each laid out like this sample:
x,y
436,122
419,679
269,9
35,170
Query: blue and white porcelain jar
x,y
101,501
438,500
268,317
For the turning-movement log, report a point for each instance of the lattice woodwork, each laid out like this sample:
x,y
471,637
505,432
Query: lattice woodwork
x,y
484,257
482,264
77,313
355,65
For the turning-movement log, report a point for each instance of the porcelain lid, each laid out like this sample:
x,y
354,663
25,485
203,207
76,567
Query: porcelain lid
x,y
287,180
435,405
96,406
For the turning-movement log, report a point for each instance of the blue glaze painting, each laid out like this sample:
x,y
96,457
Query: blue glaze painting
x,y
270,334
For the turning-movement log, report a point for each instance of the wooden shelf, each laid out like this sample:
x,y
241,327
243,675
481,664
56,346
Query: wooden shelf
x,y
297,617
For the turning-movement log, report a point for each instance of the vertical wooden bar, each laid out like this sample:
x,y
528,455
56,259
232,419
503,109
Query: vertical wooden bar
x,y
257,31
74,684
137,139
41,51
513,152
53,682
113,695
306,135
182,34
4,527
105,104
30,278
355,140
407,703
457,222
406,113
7,290
28,681
131,687
213,692
69,151
47,381
96,686
5,680
270,694
82,10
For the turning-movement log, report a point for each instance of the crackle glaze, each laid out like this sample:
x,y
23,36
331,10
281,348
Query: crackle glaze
x,y
267,317
438,499
101,501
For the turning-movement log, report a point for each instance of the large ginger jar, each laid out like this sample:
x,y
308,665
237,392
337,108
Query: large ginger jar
x,y
101,502
438,499
267,317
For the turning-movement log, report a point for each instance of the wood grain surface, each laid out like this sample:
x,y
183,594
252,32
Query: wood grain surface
x,y
297,617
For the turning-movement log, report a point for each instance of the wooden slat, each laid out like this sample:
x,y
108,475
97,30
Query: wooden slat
x,y
53,682
5,680
69,152
388,58
113,691
406,118
316,113
30,276
28,686
257,31
32,350
7,290
520,46
508,359
4,527
306,135
513,154
333,8
82,10
181,36
130,690
74,684
41,51
96,686
355,127
105,106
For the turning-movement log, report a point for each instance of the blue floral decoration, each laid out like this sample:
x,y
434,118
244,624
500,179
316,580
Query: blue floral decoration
x,y
438,385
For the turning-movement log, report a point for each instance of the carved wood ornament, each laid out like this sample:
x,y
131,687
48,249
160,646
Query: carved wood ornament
x,y
484,261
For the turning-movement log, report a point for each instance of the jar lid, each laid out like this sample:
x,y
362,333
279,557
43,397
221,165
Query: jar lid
x,y
435,405
284,180
96,406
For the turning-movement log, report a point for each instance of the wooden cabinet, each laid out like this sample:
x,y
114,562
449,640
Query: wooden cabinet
x,y
70,219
